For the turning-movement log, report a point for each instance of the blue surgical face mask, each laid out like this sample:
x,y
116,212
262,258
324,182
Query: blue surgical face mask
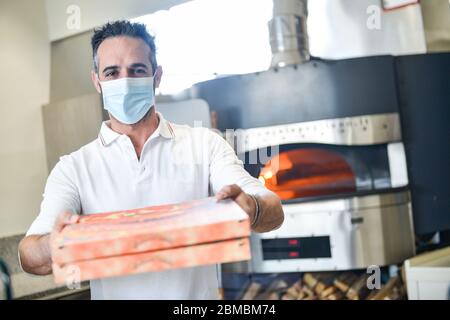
x,y
128,99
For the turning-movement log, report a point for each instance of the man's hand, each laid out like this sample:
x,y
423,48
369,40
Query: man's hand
x,y
271,214
63,220
240,197
35,251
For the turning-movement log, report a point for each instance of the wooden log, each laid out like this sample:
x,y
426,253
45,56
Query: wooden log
x,y
338,295
325,280
328,291
344,281
275,288
385,291
310,280
288,296
252,291
295,289
307,293
359,289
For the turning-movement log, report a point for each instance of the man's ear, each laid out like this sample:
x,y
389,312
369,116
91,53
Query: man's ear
x,y
158,76
96,82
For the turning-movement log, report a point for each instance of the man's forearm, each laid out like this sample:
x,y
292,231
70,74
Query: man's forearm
x,y
35,255
271,212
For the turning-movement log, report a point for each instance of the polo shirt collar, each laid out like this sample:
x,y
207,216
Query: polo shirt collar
x,y
164,127
107,135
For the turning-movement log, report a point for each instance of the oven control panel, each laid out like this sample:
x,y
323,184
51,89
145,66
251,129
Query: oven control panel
x,y
296,248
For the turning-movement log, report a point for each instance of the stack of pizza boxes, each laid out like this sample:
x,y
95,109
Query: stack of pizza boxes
x,y
151,239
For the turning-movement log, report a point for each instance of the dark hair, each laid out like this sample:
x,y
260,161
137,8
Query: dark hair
x,y
123,28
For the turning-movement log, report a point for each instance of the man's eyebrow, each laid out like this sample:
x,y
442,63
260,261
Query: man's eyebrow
x,y
139,65
108,68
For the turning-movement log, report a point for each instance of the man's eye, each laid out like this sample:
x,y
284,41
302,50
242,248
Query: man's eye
x,y
141,71
110,74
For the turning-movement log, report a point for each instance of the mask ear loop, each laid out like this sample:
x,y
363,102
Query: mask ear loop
x,y
153,76
99,83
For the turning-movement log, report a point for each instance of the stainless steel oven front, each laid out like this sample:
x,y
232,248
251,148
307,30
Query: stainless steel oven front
x,y
343,184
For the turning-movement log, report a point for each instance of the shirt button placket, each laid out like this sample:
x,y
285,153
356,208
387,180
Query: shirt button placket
x,y
131,156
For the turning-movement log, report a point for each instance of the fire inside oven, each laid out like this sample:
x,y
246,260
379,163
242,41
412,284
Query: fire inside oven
x,y
310,172
301,172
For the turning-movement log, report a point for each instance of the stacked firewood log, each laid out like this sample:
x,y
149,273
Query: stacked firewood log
x,y
327,286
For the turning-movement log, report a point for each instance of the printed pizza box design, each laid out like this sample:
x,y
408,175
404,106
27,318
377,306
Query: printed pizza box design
x,y
130,233
183,257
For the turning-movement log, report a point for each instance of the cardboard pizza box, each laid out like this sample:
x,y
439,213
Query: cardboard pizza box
x,y
123,235
182,257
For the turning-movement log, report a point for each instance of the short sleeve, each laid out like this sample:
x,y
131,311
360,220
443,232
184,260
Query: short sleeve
x,y
226,168
60,194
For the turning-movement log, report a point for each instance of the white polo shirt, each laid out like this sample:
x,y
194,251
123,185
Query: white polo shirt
x,y
178,163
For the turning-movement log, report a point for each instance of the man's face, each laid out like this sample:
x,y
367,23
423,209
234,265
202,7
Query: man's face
x,y
124,57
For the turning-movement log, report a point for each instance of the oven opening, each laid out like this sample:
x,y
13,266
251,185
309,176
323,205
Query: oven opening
x,y
298,172
308,173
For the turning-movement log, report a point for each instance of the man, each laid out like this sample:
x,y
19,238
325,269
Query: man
x,y
138,160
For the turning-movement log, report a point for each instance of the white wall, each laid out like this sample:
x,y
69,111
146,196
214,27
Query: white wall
x,y
94,13
24,88
338,29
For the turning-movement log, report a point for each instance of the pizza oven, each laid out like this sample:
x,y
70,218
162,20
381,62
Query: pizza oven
x,y
352,149
342,183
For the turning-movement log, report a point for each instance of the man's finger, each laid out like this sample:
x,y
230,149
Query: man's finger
x,y
61,218
230,191
64,219
67,218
